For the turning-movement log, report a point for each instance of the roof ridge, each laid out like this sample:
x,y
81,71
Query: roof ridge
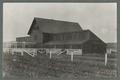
x,y
56,20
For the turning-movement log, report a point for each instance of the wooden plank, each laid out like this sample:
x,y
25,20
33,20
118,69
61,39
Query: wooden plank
x,y
72,56
105,59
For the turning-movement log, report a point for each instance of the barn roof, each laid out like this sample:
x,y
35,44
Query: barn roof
x,y
54,26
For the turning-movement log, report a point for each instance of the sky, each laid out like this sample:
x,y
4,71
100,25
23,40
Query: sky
x,y
100,18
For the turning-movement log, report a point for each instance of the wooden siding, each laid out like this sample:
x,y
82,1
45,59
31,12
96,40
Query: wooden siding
x,y
66,36
91,47
37,36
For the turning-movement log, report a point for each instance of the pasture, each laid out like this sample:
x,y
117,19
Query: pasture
x,y
59,67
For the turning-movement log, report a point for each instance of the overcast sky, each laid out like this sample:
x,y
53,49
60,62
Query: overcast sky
x,y
100,18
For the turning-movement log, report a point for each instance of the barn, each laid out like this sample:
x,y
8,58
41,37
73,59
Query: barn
x,y
49,33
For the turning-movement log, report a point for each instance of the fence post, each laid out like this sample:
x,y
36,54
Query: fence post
x,y
50,55
110,51
72,56
67,51
22,53
105,59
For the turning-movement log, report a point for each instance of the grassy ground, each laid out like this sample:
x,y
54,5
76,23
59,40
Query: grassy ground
x,y
59,67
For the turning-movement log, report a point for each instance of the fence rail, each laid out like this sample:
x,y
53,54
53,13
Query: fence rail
x,y
50,51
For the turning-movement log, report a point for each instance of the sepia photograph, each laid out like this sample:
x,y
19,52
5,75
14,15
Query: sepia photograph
x,y
59,41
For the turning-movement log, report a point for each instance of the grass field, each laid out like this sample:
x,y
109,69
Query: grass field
x,y
59,67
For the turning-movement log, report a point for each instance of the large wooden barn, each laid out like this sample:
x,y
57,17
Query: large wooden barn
x,y
49,33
